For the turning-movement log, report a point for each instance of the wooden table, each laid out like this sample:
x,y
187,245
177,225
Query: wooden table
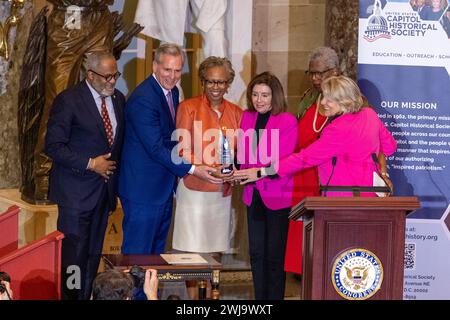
x,y
171,272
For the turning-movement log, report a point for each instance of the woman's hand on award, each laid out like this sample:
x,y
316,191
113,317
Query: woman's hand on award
x,y
224,176
247,175
207,173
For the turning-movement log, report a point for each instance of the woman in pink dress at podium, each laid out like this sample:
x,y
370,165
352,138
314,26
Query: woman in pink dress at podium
x,y
344,153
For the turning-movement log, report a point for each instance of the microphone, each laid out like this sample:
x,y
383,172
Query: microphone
x,y
333,163
375,160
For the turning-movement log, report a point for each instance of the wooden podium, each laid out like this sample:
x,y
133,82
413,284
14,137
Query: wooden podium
x,y
353,247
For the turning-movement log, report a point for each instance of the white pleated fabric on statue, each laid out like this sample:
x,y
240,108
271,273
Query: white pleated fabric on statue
x,y
168,20
202,221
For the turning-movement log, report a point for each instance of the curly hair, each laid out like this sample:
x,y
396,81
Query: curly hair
x,y
112,285
327,55
212,62
4,277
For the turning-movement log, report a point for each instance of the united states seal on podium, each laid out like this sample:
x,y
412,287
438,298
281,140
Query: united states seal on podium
x,y
357,274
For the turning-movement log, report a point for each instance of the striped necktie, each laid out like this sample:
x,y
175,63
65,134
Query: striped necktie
x,y
107,123
170,102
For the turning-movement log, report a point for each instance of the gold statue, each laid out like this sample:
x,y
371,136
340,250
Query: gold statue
x,y
56,49
11,21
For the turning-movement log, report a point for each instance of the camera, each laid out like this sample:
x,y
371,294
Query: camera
x,y
138,274
2,288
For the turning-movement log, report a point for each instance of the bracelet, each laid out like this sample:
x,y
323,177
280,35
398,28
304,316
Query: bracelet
x,y
385,174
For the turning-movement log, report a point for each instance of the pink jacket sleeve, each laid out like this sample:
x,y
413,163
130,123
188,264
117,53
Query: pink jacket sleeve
x,y
352,137
327,146
387,141
287,138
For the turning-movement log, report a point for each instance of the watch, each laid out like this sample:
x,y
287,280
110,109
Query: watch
x,y
258,173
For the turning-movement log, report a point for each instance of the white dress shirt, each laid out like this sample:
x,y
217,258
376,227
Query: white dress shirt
x,y
109,107
191,170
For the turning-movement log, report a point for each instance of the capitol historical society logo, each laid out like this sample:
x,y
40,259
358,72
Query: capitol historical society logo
x,y
377,26
357,274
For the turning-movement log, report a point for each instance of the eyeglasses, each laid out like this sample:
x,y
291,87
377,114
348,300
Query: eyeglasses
x,y
318,74
219,83
108,77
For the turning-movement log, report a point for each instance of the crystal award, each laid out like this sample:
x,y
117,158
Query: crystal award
x,y
225,154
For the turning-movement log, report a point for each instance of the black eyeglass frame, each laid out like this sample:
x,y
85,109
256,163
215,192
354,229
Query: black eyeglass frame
x,y
319,74
212,83
108,77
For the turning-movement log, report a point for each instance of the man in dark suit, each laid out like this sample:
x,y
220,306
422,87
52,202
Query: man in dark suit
x,y
84,140
149,168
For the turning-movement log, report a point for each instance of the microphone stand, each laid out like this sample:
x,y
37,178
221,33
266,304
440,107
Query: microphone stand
x,y
356,190
375,160
333,164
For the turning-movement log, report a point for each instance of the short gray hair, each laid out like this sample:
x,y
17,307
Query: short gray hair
x,y
93,59
327,55
171,49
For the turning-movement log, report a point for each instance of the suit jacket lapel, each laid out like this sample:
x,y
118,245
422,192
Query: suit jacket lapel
x,y
176,98
89,102
163,100
265,137
119,117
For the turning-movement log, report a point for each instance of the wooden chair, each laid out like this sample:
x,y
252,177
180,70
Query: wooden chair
x,y
9,226
35,269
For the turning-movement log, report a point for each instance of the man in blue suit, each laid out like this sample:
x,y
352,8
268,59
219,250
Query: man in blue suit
x,y
149,168
84,139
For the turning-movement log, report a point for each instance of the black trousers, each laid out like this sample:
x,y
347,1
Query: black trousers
x,y
82,246
267,233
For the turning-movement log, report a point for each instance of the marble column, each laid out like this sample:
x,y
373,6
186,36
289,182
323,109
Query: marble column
x,y
284,32
341,32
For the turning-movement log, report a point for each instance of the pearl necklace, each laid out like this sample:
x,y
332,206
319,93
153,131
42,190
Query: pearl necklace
x,y
315,117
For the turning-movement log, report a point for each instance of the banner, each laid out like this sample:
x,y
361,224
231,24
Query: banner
x,y
403,70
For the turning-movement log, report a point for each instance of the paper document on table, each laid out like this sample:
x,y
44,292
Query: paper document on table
x,y
183,258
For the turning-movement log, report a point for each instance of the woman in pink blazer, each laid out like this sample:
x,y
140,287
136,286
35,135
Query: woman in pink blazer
x,y
354,137
268,134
